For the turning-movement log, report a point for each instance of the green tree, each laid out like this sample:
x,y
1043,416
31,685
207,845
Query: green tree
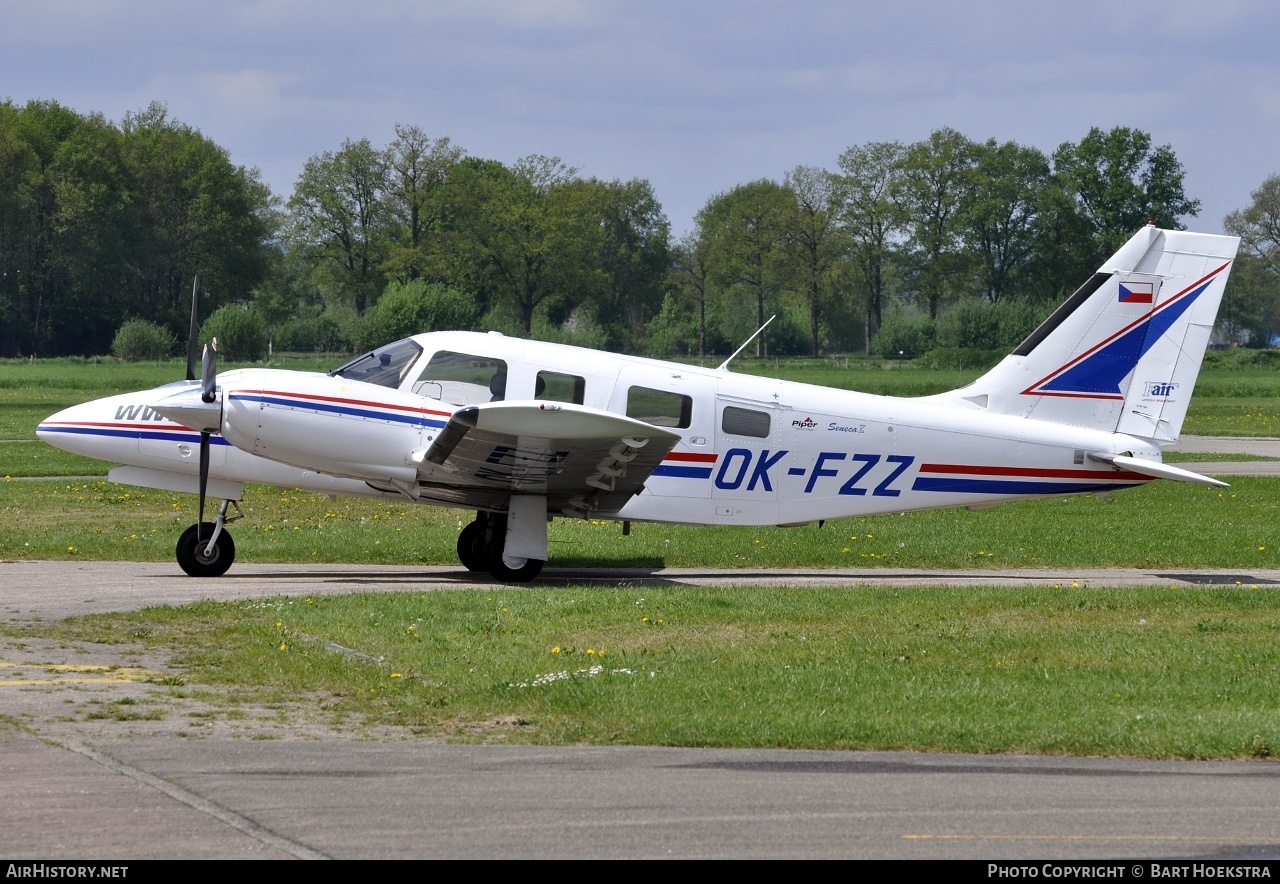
x,y
1120,183
872,218
935,182
633,257
746,230
416,306
139,339
100,222
528,238
688,280
339,222
817,244
417,168
1252,301
198,214
1000,219
241,333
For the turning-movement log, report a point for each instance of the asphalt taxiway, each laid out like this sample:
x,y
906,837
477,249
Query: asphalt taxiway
x,y
82,783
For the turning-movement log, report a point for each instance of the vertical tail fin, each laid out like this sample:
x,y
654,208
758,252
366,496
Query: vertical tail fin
x,y
1122,353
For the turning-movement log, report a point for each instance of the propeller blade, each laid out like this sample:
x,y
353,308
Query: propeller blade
x,y
209,372
204,482
193,334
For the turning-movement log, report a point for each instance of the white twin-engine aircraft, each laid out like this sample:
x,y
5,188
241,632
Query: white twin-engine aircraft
x,y
523,431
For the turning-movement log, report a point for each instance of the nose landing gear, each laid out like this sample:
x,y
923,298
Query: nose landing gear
x,y
205,549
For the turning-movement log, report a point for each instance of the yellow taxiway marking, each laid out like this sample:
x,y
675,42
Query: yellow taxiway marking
x,y
109,674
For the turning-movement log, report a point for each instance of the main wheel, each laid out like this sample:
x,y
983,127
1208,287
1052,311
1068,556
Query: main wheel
x,y
501,571
506,574
192,557
472,548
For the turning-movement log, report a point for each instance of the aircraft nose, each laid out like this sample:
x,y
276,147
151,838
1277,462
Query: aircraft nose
x,y
69,426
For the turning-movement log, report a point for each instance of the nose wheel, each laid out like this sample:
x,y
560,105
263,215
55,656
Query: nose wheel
x,y
206,549
200,558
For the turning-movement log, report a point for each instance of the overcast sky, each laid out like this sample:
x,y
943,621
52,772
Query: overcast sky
x,y
694,96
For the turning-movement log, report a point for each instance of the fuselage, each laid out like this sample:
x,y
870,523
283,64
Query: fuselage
x,y
752,451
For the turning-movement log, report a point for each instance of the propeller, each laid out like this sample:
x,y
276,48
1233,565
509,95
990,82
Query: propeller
x,y
193,332
209,371
198,406
209,394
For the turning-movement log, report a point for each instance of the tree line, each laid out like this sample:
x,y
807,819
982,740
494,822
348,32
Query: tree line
x,y
898,249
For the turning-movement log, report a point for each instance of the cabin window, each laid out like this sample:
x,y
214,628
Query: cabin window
x,y
556,387
463,379
659,407
385,366
745,422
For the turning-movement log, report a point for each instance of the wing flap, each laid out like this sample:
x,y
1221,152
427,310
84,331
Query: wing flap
x,y
582,459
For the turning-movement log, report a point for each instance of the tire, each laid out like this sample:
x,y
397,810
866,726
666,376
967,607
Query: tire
x,y
526,572
195,562
472,547
499,569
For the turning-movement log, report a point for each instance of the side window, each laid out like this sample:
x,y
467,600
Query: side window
x,y
745,422
659,407
556,387
463,379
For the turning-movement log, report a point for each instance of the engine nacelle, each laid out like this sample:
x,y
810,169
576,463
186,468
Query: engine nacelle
x,y
327,424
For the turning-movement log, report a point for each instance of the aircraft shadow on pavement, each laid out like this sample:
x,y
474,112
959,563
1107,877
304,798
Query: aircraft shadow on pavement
x,y
1012,766
1220,579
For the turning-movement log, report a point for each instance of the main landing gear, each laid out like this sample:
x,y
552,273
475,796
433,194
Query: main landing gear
x,y
205,549
482,546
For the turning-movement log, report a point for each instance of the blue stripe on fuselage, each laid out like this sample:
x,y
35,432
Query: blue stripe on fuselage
x,y
676,472
1007,486
176,436
310,404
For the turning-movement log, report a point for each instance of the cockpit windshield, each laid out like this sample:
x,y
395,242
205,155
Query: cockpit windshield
x,y
385,366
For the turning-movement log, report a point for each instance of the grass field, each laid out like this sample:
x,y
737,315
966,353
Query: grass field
x,y
1168,673
1163,673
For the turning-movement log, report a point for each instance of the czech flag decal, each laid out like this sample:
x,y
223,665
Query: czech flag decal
x,y
1137,292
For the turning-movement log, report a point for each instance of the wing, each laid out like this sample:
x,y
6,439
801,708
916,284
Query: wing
x,y
583,460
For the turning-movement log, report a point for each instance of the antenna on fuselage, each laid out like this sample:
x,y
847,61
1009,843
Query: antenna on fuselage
x,y
723,366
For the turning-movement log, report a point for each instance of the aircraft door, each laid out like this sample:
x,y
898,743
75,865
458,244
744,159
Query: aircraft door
x,y
751,461
666,397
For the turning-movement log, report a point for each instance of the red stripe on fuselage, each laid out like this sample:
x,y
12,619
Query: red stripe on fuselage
x,y
1031,472
691,457
302,398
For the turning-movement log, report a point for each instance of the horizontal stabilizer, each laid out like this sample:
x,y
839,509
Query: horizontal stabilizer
x,y
1156,469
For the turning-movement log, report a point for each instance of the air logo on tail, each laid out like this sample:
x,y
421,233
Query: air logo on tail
x,y
1099,372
